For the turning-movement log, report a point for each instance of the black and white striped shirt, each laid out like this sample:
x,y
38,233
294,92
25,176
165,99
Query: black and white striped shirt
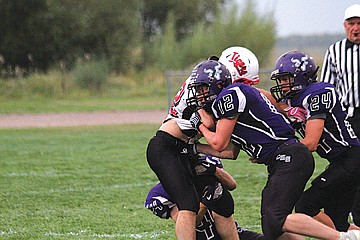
x,y
341,68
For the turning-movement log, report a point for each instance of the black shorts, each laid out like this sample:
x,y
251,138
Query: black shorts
x,y
292,167
173,170
334,190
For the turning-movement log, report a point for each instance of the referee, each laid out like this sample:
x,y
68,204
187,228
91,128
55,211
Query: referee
x,y
341,67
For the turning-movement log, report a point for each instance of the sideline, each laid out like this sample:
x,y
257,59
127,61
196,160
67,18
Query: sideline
x,y
81,119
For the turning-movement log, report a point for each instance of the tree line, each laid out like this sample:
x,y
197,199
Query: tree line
x,y
37,35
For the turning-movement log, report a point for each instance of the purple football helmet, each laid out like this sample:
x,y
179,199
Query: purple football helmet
x,y
207,80
300,67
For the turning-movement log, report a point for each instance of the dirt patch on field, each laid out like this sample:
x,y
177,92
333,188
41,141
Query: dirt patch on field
x,y
80,119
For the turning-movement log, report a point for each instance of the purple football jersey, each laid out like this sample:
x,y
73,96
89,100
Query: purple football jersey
x,y
260,128
321,101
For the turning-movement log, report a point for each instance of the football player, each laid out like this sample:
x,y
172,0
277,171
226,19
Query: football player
x,y
326,131
160,203
246,119
170,155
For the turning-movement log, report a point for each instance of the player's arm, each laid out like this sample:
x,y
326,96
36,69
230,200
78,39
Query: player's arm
x,y
207,119
281,106
225,178
201,213
220,139
294,114
231,152
210,165
313,132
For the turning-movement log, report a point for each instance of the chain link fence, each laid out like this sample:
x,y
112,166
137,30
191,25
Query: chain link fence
x,y
175,79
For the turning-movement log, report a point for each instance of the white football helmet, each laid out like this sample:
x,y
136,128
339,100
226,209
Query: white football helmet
x,y
242,64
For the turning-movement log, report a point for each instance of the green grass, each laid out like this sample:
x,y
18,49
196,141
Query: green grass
x,y
91,182
88,104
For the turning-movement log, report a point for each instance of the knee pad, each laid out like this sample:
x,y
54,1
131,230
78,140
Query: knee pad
x,y
225,205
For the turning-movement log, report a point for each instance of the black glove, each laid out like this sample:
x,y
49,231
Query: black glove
x,y
207,107
211,194
195,120
205,168
297,126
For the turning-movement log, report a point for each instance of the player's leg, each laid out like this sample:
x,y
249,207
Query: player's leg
x,y
340,207
356,208
286,182
352,165
299,171
333,190
185,225
226,227
222,211
291,236
307,226
310,203
163,158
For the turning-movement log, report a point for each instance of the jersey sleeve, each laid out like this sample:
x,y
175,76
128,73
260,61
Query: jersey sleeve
x,y
229,104
321,102
158,201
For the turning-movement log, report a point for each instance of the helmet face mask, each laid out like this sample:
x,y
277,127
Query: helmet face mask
x,y
208,78
299,68
285,87
242,64
202,95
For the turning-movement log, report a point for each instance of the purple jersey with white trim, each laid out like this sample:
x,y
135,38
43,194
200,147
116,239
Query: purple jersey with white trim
x,y
260,128
321,100
206,230
158,196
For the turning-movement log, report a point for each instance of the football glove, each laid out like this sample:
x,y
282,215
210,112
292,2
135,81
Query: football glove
x,y
211,194
204,167
295,114
195,120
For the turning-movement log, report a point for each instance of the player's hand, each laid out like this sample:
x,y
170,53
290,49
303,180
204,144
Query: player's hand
x,y
296,114
207,107
204,167
195,120
298,126
211,194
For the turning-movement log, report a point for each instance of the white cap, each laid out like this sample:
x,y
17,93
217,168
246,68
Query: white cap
x,y
352,11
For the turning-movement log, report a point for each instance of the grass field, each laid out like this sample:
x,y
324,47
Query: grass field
x,y
91,182
50,105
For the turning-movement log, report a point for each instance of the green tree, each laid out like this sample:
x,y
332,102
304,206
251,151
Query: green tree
x,y
108,30
247,29
40,33
23,34
186,13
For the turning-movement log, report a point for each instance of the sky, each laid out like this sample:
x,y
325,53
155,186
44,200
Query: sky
x,y
305,17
